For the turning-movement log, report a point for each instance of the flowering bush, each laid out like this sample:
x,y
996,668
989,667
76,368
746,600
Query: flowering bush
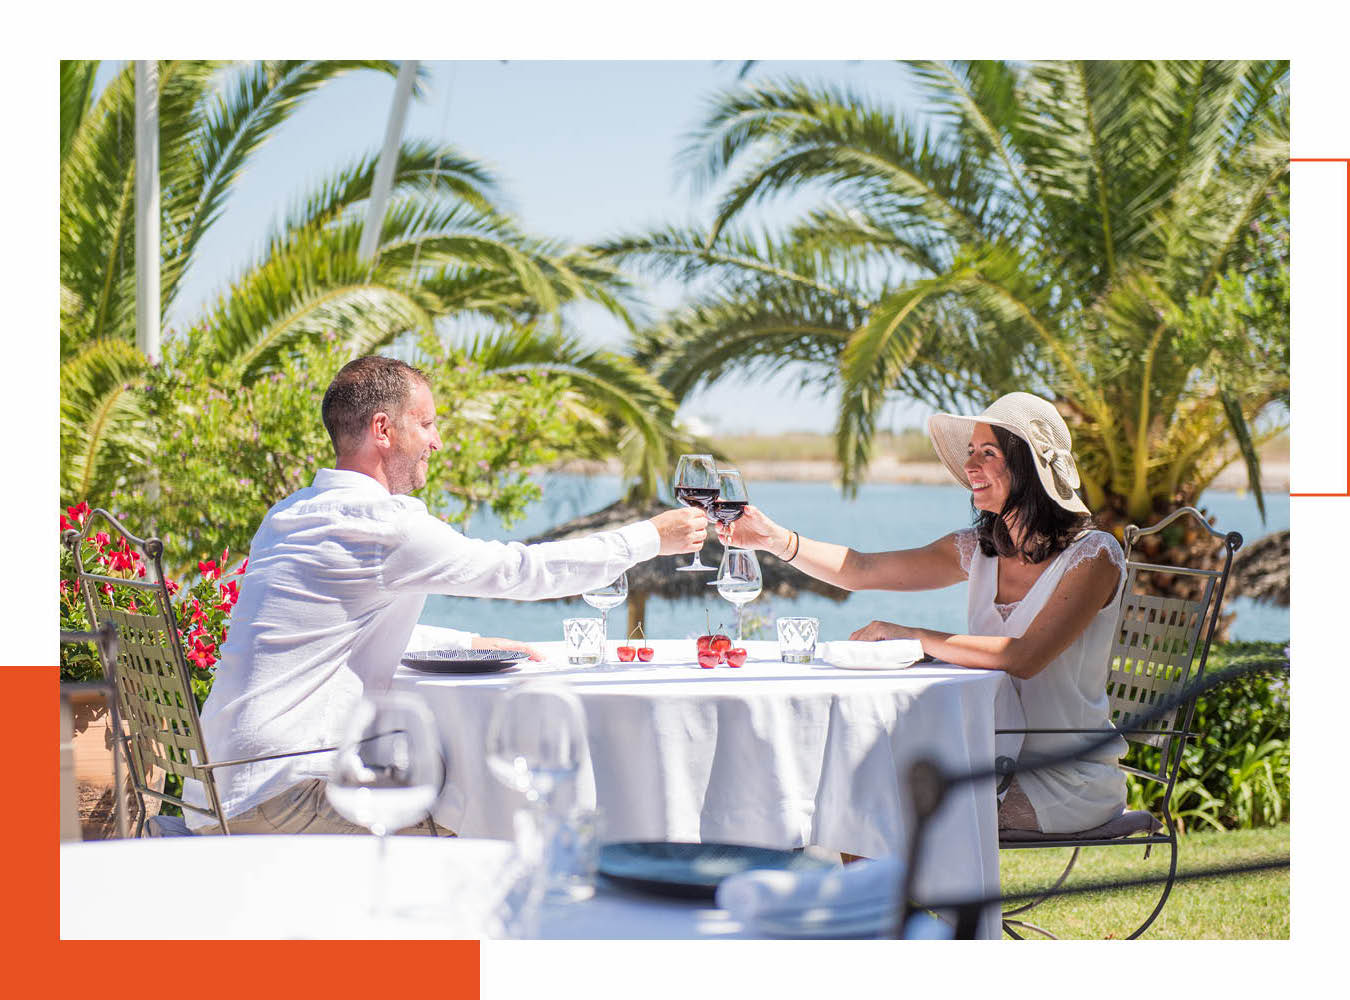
x,y
201,611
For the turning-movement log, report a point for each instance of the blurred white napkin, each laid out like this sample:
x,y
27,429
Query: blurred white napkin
x,y
888,654
858,892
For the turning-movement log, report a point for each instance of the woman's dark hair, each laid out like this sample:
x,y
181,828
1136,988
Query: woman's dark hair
x,y
1049,527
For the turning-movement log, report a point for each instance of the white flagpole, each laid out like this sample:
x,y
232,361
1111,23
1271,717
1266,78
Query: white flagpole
x,y
384,171
147,208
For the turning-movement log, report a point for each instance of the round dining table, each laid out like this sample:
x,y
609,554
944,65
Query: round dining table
x,y
770,754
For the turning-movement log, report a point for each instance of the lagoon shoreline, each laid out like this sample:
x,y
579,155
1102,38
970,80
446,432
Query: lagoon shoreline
x,y
1274,475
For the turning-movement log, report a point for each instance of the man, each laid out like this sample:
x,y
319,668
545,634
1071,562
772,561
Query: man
x,y
336,580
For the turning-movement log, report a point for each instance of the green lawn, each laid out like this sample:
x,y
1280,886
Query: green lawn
x,y
1249,906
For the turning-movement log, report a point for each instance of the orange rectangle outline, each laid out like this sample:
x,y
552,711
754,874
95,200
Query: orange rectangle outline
x,y
1345,161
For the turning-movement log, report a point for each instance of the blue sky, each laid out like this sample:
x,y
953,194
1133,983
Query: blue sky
x,y
583,151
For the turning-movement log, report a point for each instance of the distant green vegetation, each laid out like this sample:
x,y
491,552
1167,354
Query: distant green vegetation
x,y
908,445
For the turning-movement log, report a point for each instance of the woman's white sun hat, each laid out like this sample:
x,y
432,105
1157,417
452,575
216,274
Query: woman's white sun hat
x,y
1035,421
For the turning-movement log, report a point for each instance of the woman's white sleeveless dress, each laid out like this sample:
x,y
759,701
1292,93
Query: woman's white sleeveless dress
x,y
1069,693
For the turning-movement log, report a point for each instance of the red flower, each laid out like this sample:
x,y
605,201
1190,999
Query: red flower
x,y
173,587
101,538
66,524
224,634
242,566
107,588
229,595
131,604
79,512
209,570
225,557
63,588
140,571
202,656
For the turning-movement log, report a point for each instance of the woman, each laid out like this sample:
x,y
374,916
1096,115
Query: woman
x,y
1042,598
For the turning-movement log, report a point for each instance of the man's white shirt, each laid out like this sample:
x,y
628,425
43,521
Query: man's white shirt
x,y
337,577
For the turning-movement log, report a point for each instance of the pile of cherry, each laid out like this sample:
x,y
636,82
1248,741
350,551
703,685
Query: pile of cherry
x,y
715,649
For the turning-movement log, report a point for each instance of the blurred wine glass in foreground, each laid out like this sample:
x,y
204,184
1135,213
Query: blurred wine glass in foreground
x,y
388,771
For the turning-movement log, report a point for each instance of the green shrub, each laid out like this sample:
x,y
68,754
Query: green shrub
x,y
1236,775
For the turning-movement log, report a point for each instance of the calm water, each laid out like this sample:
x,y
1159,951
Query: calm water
x,y
884,516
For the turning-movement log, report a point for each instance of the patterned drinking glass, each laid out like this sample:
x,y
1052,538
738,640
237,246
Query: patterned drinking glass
x,y
585,640
797,639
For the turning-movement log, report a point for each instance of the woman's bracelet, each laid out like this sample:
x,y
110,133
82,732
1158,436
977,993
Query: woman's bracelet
x,y
795,544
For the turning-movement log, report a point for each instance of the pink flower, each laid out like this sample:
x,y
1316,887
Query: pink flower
x,y
202,656
63,588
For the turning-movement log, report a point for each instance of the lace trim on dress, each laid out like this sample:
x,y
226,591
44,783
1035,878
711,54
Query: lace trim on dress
x,y
1092,545
1087,547
967,540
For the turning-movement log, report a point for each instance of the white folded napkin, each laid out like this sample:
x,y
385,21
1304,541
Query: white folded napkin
x,y
862,891
888,654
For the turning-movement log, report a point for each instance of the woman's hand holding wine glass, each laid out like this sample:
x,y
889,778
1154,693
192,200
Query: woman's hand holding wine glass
x,y
754,529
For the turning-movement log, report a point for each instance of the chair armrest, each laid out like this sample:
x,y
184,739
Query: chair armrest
x,y
271,756
1113,729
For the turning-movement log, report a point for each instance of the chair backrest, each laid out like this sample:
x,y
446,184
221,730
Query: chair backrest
x,y
1162,643
149,671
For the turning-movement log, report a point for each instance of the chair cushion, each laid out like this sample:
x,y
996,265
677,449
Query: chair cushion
x,y
167,826
1128,822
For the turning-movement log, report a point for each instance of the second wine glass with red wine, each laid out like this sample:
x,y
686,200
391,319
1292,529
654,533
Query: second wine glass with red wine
x,y
696,486
731,496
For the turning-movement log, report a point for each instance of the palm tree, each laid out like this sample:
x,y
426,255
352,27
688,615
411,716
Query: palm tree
x,y
445,253
1113,236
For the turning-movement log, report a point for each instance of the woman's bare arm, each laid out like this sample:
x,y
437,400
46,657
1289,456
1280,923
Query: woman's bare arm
x,y
937,564
1083,592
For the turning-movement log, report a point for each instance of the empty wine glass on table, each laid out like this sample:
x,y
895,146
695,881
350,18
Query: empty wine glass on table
x,y
388,771
695,485
602,599
739,581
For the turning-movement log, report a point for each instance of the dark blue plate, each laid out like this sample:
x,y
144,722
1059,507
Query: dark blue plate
x,y
692,871
463,661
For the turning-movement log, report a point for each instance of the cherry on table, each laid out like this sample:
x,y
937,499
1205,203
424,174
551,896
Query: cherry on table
x,y
704,643
645,653
736,657
707,659
626,653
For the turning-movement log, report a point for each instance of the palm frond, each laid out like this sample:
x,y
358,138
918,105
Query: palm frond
x,y
104,436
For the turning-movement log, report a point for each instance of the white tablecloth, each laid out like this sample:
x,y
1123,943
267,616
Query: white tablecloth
x,y
773,754
321,887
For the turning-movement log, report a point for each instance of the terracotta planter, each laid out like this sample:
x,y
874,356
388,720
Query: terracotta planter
x,y
92,765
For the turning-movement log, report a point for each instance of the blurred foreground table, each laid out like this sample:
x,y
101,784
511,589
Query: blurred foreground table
x,y
276,886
